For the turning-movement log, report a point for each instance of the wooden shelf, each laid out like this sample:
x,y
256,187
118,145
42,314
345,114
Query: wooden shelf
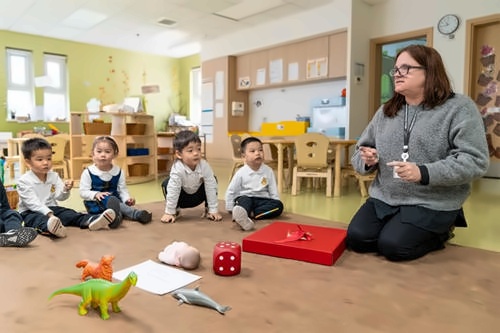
x,y
81,143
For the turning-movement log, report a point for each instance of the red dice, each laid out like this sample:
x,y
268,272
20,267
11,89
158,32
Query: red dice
x,y
227,258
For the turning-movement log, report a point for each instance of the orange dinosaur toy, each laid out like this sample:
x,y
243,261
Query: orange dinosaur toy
x,y
102,270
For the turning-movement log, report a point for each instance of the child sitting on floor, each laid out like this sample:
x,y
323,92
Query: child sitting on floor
x,y
40,189
11,224
252,191
102,185
191,181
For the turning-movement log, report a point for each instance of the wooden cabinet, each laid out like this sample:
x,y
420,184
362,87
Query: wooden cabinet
x,y
337,61
319,58
134,134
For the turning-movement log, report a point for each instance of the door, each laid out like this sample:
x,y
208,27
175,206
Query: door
x,y
382,54
483,80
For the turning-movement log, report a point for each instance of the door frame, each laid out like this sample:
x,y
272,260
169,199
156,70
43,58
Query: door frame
x,y
376,62
471,27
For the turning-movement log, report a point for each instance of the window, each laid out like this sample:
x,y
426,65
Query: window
x,y
20,86
55,92
195,95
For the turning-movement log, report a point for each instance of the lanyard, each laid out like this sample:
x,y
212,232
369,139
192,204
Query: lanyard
x,y
407,131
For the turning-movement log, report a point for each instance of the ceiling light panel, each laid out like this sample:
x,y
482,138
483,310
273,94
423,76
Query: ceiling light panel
x,y
248,8
83,19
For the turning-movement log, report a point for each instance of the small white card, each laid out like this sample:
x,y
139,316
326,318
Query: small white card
x,y
158,278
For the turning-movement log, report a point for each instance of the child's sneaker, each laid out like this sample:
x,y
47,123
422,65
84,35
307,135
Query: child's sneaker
x,y
18,237
114,204
240,216
102,221
144,216
55,227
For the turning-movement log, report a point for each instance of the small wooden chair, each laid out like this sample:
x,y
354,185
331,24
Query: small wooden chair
x,y
59,161
237,159
349,171
312,160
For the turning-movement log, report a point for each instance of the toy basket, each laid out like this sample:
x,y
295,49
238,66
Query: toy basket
x,y
136,129
12,197
138,170
97,128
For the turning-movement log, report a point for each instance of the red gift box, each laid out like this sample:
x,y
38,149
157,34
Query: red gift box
x,y
325,247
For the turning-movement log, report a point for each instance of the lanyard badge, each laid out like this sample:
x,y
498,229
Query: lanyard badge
x,y
407,130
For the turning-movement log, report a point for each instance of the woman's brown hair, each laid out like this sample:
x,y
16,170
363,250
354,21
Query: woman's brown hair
x,y
437,87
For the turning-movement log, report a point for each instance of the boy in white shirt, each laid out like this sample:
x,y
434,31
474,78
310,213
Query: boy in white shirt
x,y
191,180
39,190
252,191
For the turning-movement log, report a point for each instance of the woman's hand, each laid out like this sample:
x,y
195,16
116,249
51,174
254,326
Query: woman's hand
x,y
369,155
408,171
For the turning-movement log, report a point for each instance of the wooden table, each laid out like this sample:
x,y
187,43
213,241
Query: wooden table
x,y
341,146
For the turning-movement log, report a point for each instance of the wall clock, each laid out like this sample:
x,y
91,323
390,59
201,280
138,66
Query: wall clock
x,y
448,24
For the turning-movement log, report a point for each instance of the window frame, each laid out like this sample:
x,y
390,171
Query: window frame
x,y
12,87
49,88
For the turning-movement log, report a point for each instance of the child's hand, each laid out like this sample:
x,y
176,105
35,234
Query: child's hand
x,y
68,185
168,218
214,216
130,202
101,195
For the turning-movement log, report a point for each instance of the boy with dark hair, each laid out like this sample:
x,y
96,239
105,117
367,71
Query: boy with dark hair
x,y
11,224
40,189
252,191
191,180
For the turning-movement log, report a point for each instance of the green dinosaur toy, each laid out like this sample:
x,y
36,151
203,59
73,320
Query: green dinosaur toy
x,y
98,293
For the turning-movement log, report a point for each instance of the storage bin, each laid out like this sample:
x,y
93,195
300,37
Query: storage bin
x,y
97,128
284,128
165,150
138,169
162,165
136,129
137,151
12,197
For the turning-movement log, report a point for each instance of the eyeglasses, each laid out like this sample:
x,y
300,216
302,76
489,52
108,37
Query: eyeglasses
x,y
403,70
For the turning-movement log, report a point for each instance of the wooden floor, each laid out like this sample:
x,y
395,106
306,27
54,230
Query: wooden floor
x,y
482,209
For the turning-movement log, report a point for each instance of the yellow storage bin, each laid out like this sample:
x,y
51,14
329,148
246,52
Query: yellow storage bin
x,y
284,128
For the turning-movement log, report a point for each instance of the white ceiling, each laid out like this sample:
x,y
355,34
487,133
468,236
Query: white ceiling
x,y
132,24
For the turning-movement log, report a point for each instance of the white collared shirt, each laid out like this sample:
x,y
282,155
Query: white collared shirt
x,y
260,183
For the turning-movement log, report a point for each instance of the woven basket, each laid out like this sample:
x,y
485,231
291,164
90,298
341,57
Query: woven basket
x,y
97,128
136,129
13,198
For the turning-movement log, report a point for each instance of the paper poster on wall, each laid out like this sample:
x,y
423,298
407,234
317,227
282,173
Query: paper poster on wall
x,y
244,82
317,68
260,77
219,85
276,71
207,96
219,110
293,71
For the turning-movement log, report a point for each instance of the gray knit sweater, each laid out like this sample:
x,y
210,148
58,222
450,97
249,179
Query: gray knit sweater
x,y
448,140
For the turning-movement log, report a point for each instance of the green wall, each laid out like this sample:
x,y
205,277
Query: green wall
x,y
104,73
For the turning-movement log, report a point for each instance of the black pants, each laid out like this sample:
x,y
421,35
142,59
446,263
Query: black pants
x,y
187,200
393,235
255,206
68,217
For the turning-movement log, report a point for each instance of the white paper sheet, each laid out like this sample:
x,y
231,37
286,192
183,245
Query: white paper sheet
x,y
157,278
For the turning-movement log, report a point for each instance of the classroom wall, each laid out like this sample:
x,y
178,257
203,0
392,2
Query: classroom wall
x,y
97,72
362,22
